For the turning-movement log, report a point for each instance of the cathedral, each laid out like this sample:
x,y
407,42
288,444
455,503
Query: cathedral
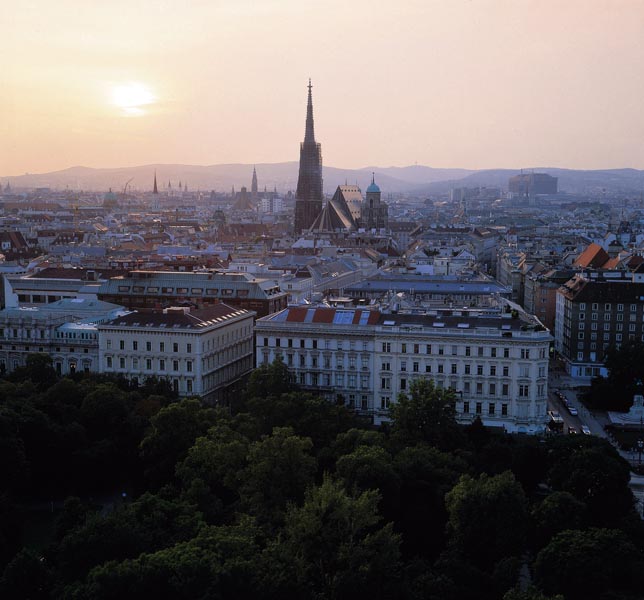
x,y
308,197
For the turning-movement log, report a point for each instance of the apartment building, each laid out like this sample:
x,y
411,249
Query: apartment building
x,y
203,352
496,363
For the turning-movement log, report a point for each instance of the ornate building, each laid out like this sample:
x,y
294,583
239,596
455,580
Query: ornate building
x,y
308,197
375,213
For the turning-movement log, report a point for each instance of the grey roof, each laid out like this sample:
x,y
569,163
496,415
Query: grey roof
x,y
415,284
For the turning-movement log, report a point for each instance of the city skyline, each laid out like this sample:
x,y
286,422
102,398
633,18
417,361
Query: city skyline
x,y
443,84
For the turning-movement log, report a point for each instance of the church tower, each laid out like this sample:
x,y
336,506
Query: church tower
x,y
253,186
308,197
155,190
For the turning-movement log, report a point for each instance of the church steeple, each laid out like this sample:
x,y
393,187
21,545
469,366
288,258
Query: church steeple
x,y
308,196
309,134
253,185
155,190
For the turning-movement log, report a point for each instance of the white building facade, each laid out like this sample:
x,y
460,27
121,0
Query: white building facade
x,y
496,364
201,352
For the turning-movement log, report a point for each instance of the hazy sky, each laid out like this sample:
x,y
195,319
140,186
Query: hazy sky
x,y
446,83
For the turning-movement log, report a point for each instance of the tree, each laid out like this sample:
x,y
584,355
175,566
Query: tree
x,y
335,546
173,430
427,414
487,518
556,512
625,365
219,562
531,593
589,563
39,369
598,477
26,576
426,475
279,469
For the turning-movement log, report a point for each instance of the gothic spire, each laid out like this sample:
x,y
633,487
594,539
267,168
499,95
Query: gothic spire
x,y
155,190
309,135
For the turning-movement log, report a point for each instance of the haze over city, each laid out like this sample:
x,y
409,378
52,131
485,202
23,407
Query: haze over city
x,y
442,83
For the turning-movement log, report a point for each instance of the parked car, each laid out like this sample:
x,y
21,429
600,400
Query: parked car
x,y
585,429
572,410
572,429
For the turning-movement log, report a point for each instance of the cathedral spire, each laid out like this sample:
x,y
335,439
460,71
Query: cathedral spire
x,y
155,190
253,186
309,135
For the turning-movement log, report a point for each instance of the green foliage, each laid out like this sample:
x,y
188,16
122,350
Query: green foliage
x,y
625,377
27,576
335,546
531,593
586,564
39,369
487,518
426,415
219,562
173,431
556,512
594,473
279,469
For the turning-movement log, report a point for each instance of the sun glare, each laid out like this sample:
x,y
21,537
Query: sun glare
x,y
132,98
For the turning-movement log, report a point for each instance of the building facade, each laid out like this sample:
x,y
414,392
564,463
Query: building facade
x,y
595,312
155,290
202,352
498,365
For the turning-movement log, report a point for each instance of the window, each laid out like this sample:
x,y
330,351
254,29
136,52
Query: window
x,y
466,407
415,367
384,402
162,346
582,306
506,371
175,347
161,365
440,368
479,369
416,348
428,368
385,383
454,368
403,348
493,389
479,408
505,389
189,385
620,307
440,350
109,362
135,345
386,366
468,369
403,365
315,344
403,384
148,346
504,410
121,344
428,349
148,364
175,365
492,370
109,343
506,352
479,389
466,387
122,363
468,351
490,408
525,353
595,306
189,366
493,352
524,390
480,350
188,348
386,347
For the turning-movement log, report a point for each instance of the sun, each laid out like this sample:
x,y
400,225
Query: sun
x,y
132,98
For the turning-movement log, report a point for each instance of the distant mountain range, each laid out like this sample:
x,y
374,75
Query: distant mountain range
x,y
416,179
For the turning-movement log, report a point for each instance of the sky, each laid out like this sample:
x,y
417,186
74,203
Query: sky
x,y
443,83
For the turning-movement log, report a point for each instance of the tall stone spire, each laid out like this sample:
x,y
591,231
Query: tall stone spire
x,y
155,190
308,197
309,133
253,186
